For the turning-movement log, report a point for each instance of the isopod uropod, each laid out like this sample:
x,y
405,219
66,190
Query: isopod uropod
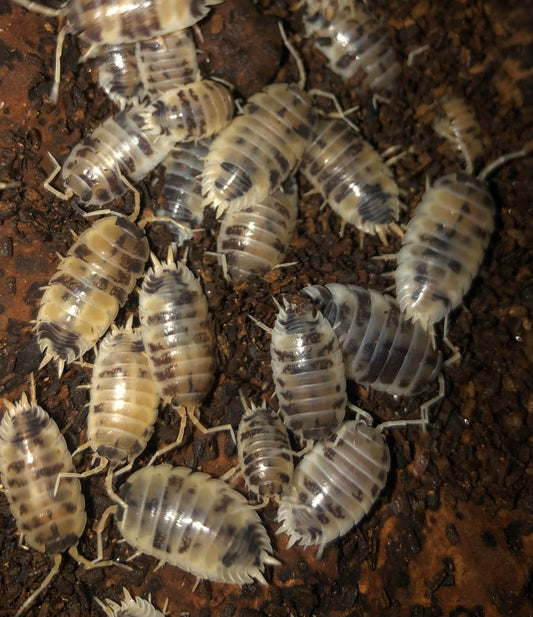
x,y
194,521
91,283
308,371
334,485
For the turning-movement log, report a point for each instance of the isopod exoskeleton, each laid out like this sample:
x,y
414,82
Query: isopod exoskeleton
x,y
178,333
254,240
181,193
33,453
382,348
194,521
352,177
118,73
259,148
92,282
123,397
308,371
264,451
129,607
334,485
355,42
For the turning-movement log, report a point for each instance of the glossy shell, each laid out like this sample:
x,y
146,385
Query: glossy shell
x,y
356,43
92,282
265,453
443,247
382,347
348,173
257,151
308,371
191,520
255,239
178,333
334,485
123,397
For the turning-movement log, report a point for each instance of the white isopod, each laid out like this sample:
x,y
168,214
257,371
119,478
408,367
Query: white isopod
x,y
92,282
254,239
194,521
308,371
352,177
130,607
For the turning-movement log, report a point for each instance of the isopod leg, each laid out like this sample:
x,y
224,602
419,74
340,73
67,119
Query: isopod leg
x,y
214,429
74,474
100,530
29,601
89,564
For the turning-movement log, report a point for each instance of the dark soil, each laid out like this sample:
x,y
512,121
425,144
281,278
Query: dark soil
x,y
452,533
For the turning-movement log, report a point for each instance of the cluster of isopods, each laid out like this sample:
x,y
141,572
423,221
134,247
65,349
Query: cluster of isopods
x,y
243,167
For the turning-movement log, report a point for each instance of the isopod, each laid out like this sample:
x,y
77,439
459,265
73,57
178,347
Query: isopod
x,y
33,454
182,188
334,485
118,73
254,240
352,177
194,521
264,451
92,282
326,8
123,397
130,607
445,243
382,348
308,371
355,42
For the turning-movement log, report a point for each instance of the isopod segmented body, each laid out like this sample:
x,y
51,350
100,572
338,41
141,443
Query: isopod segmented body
x,y
255,239
118,73
129,607
352,177
92,282
334,485
191,520
258,150
381,346
182,188
178,333
308,371
354,41
33,453
264,450
123,397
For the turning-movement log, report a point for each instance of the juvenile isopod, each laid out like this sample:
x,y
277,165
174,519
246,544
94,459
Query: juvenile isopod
x,y
123,397
118,73
445,243
356,43
308,371
254,240
194,521
130,607
264,451
352,177
334,485
33,454
382,348
92,282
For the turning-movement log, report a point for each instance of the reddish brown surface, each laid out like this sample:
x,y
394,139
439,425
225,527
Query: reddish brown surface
x,y
456,540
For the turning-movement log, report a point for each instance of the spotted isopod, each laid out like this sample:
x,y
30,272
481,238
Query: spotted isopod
x,y
308,371
445,243
381,346
264,451
334,485
178,333
118,73
356,43
181,193
254,240
129,607
92,282
123,397
194,521
352,177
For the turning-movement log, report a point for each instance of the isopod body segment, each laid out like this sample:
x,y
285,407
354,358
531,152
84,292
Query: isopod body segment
x,y
129,607
308,371
334,485
92,282
196,522
124,397
382,348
